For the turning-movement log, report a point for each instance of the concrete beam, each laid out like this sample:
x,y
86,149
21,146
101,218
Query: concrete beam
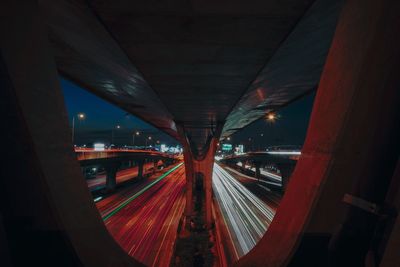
x,y
45,200
351,147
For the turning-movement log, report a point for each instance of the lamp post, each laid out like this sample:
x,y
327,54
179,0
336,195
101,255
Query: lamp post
x,y
133,137
149,138
112,133
81,116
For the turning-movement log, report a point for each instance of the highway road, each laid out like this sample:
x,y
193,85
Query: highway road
x,y
264,172
245,216
144,219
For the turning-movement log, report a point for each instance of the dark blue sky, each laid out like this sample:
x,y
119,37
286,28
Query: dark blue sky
x,y
289,129
99,113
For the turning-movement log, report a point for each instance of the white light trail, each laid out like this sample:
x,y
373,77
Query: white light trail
x,y
247,217
284,153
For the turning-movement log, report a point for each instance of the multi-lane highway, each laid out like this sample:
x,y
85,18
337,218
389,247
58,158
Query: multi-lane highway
x,y
144,219
263,172
245,216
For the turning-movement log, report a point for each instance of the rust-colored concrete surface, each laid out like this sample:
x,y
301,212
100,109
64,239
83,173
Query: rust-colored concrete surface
x,y
353,124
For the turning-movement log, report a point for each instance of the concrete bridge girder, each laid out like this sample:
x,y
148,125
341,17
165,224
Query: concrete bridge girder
x,y
203,166
285,165
343,150
360,73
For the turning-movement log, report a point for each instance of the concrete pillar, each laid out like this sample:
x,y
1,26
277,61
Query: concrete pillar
x,y
257,165
189,170
286,170
351,148
155,165
111,175
205,166
53,211
140,164
202,166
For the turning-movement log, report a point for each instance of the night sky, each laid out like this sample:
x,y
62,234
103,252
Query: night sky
x,y
101,117
100,114
289,129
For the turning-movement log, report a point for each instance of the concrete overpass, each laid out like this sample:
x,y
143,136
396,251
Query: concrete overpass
x,y
111,160
284,160
201,71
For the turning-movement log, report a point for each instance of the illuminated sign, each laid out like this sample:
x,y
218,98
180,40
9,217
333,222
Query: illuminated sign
x,y
98,147
226,147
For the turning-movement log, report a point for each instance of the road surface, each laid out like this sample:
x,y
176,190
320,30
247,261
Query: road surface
x,y
245,216
144,220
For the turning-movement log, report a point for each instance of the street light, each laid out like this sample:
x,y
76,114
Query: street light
x,y
112,133
81,116
133,137
271,117
148,138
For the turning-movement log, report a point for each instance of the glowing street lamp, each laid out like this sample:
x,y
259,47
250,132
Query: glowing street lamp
x,y
81,116
112,132
271,117
148,138
133,137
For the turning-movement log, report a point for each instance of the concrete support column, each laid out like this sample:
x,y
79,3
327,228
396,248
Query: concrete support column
x,y
257,165
351,149
286,170
53,211
111,175
155,165
189,170
140,164
202,166
205,166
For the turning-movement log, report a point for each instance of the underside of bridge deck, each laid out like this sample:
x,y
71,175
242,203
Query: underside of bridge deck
x,y
194,63
201,70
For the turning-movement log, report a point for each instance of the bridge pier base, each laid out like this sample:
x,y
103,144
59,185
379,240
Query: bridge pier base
x,y
196,168
257,165
155,165
205,167
140,164
189,170
111,175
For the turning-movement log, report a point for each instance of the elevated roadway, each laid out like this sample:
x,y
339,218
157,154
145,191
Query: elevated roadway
x,y
202,70
112,159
